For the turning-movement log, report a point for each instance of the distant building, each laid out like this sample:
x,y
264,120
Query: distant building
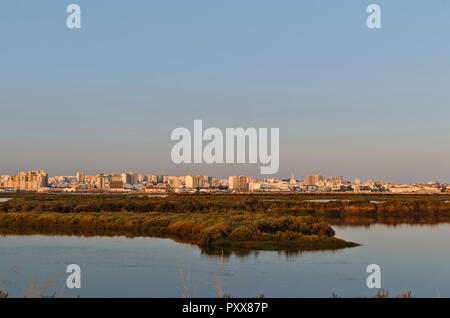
x,y
238,183
176,182
157,189
292,181
313,179
154,178
116,182
404,189
81,177
101,181
30,180
194,182
90,179
130,178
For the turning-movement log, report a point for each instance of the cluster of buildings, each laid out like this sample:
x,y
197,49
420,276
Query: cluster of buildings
x,y
25,181
39,181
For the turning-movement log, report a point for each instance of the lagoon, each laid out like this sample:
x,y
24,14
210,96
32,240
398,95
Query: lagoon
x,y
412,257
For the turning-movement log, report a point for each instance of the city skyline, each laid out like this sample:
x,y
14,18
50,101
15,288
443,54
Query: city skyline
x,y
347,100
198,171
40,181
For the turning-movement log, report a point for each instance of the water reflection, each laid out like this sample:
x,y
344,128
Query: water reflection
x,y
386,220
413,258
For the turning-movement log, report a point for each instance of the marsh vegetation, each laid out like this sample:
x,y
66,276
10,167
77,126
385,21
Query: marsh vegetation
x,y
217,222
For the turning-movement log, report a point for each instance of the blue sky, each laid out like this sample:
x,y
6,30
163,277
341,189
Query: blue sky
x,y
348,100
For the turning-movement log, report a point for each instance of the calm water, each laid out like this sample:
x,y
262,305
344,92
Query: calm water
x,y
415,258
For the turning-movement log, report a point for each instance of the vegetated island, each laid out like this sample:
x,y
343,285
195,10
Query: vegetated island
x,y
228,223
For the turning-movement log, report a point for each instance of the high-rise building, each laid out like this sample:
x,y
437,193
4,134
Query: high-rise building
x,y
101,181
313,179
130,178
238,183
116,182
194,182
153,178
134,178
175,182
81,177
125,178
30,181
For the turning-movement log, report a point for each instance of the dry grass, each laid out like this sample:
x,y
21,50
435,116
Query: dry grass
x,y
217,285
36,290
189,286
383,294
186,283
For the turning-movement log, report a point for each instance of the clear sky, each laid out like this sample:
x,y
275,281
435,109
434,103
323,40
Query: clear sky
x,y
348,100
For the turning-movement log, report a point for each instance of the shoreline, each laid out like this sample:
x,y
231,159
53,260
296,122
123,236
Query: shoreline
x,y
211,239
233,222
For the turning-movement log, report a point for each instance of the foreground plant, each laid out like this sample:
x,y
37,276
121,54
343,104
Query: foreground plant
x,y
3,294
